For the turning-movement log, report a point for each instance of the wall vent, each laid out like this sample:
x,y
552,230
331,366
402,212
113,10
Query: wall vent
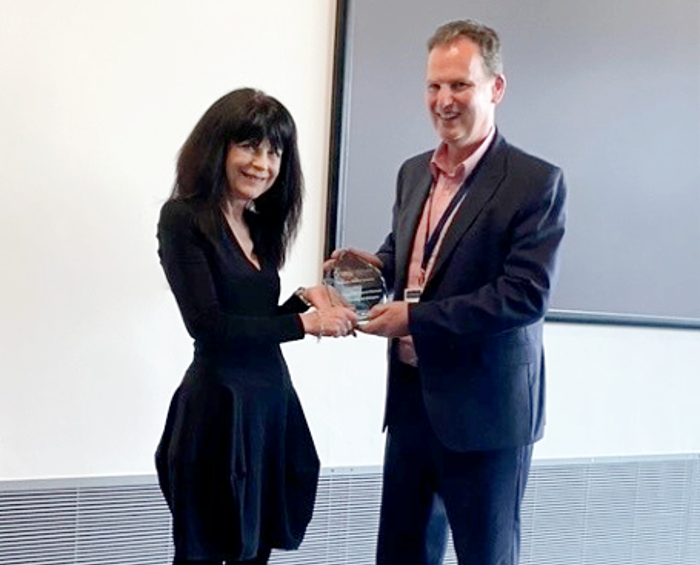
x,y
606,511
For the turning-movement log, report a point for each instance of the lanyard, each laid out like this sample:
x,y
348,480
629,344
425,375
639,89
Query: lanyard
x,y
431,240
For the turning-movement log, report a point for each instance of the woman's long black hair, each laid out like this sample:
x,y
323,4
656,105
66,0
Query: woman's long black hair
x,y
244,115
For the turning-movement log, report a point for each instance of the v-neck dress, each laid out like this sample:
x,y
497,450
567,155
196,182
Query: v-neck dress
x,y
236,461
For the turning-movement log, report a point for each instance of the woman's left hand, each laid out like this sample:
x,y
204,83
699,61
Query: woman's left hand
x,y
323,296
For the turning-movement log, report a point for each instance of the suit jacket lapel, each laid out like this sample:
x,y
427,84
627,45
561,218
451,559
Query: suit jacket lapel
x,y
414,208
485,183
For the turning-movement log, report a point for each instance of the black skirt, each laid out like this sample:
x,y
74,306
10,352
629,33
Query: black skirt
x,y
236,462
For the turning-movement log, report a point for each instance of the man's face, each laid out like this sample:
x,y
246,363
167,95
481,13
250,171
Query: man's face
x,y
461,95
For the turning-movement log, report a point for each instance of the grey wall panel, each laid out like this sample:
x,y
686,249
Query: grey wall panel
x,y
610,91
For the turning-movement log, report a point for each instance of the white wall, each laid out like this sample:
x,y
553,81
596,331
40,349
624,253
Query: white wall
x,y
96,99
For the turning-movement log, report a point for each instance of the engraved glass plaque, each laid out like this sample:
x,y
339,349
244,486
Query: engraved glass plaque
x,y
358,282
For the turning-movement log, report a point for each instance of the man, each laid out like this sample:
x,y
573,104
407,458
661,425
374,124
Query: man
x,y
472,258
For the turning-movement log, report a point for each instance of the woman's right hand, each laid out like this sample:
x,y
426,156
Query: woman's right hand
x,y
335,321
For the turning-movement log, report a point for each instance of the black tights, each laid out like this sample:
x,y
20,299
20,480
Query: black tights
x,y
262,559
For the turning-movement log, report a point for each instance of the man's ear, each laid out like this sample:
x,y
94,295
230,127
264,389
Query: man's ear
x,y
498,89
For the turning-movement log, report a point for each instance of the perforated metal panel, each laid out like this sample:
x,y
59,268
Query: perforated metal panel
x,y
613,511
119,520
345,521
610,511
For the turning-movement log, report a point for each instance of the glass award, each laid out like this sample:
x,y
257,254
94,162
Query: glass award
x,y
359,283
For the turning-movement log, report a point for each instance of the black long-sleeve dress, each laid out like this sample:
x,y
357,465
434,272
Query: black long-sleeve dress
x,y
236,462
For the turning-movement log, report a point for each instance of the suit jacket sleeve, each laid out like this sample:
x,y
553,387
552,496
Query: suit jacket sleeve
x,y
386,256
405,193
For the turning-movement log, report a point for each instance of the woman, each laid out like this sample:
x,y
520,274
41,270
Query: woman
x,y
236,463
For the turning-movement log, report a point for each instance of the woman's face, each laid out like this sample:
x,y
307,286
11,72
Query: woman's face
x,y
251,169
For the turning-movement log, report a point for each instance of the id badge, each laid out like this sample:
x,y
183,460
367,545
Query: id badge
x,y
412,295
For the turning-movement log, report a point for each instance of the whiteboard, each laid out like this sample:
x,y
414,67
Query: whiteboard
x,y
609,91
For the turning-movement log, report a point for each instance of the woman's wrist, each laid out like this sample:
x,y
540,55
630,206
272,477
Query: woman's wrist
x,y
300,293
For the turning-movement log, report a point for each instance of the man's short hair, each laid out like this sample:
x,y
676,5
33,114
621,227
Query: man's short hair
x,y
485,37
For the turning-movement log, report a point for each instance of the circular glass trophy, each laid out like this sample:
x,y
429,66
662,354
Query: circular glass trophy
x,y
359,283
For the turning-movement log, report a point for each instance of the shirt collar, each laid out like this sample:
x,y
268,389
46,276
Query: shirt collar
x,y
438,162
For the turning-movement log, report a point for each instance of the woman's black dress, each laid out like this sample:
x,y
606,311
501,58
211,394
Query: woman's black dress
x,y
236,462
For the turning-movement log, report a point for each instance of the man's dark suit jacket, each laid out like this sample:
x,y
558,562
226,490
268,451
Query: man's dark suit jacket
x,y
478,326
